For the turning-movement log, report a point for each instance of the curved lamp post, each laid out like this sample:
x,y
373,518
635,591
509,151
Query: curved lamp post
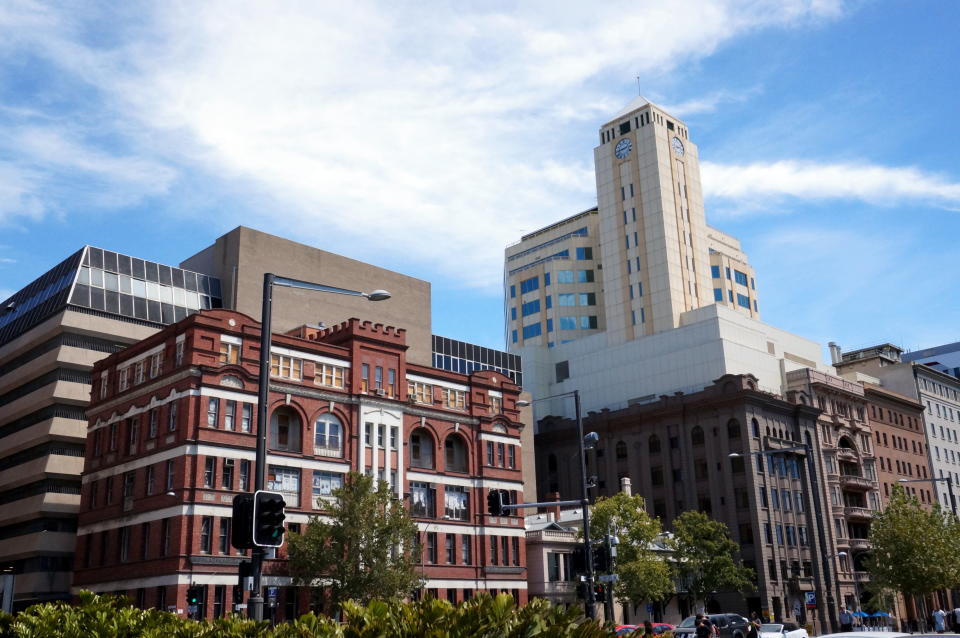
x,y
266,336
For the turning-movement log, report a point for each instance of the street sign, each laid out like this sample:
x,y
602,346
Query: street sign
x,y
273,592
608,578
811,599
650,608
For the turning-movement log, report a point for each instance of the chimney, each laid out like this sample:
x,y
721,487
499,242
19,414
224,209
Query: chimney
x,y
835,354
625,486
554,510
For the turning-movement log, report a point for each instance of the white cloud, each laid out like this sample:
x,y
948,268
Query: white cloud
x,y
710,102
762,183
403,129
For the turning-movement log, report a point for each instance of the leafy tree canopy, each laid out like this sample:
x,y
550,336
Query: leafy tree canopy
x,y
644,574
914,551
361,549
704,557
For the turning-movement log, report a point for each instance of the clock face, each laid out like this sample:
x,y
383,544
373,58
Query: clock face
x,y
623,148
677,146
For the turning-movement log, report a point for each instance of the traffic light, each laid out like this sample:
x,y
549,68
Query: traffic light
x,y
242,524
495,502
268,519
194,594
599,591
601,559
578,560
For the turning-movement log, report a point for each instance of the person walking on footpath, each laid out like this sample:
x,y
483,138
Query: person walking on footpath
x,y
703,628
939,620
956,619
846,619
753,627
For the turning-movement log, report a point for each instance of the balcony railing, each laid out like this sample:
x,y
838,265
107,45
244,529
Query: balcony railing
x,y
846,454
855,482
859,543
857,512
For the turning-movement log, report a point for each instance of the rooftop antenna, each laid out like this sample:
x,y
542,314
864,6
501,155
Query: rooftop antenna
x,y
638,85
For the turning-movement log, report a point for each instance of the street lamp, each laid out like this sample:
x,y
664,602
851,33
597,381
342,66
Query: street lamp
x,y
584,495
266,337
818,510
947,479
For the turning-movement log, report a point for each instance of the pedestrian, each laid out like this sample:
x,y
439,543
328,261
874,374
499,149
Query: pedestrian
x,y
647,629
939,620
846,620
956,619
753,626
703,628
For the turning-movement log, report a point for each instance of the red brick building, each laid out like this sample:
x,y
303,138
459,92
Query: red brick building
x,y
172,438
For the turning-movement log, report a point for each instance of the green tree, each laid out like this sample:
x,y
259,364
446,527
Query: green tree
x,y
914,551
704,557
643,573
361,549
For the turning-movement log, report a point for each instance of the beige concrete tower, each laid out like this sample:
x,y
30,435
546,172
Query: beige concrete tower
x,y
655,245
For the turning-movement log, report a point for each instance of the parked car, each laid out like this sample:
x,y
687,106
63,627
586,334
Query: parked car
x,y
625,630
782,630
730,626
877,634
662,628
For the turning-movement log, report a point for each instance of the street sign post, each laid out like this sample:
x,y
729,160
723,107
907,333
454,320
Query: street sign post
x,y
811,599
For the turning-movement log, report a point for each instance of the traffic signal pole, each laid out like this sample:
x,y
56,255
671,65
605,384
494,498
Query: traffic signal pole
x,y
255,602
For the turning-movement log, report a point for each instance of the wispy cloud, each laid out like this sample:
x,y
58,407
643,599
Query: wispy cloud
x,y
435,126
710,102
764,183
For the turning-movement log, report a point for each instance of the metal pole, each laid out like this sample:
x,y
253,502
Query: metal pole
x,y
255,601
953,501
825,558
584,503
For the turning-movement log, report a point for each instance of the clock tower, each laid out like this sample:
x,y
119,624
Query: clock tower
x,y
657,251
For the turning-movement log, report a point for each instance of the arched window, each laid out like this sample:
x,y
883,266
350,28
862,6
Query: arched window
x,y
285,430
696,436
621,451
654,444
733,429
552,463
421,449
455,454
756,427
328,435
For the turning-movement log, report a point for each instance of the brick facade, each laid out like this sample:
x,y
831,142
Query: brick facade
x,y
172,437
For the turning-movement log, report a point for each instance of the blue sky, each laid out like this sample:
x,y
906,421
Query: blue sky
x,y
425,137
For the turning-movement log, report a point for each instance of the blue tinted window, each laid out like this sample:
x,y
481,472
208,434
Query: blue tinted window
x,y
744,301
753,285
546,279
730,292
740,277
584,253
513,313
715,272
533,330
567,299
588,322
728,273
717,295
568,323
584,276
564,276
514,336
531,307
549,302
588,299
513,291
549,325
528,285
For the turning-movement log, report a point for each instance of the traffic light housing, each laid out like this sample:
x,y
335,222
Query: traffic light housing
x,y
495,502
194,594
241,532
578,560
599,592
601,559
268,519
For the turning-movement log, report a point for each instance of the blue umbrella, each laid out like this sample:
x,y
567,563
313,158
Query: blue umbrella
x,y
881,614
861,614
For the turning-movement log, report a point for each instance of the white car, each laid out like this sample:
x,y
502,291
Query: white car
x,y
868,634
782,630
